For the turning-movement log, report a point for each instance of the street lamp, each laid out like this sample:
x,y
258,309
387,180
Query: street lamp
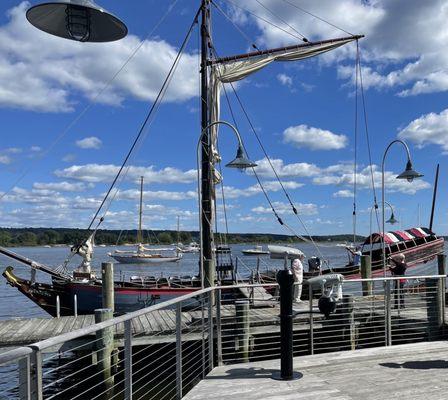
x,y
239,162
409,174
392,220
80,20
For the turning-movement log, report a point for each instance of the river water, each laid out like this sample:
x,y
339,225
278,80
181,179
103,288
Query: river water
x,y
14,305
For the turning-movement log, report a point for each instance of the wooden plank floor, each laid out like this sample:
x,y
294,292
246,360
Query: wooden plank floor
x,y
415,371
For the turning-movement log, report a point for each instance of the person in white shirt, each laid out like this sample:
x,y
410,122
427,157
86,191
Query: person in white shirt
x,y
297,271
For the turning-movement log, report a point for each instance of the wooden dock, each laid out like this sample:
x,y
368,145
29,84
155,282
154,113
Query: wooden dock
x,y
412,371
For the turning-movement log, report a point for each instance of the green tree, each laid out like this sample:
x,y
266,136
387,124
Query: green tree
x,y
165,237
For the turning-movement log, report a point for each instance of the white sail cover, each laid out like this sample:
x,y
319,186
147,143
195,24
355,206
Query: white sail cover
x,y
235,70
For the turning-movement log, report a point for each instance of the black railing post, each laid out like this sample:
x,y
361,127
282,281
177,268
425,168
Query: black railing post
x,y
285,280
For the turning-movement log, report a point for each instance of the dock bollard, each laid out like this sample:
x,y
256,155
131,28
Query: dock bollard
x,y
285,280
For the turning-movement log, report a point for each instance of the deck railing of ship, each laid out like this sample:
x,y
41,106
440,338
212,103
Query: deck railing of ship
x,y
162,351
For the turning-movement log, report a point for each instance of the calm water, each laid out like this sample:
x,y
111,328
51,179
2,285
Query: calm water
x,y
15,305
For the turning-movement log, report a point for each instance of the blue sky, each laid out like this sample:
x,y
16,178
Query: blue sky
x,y
56,160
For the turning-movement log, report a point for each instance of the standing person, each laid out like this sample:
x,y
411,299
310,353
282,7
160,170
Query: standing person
x,y
355,254
297,271
398,268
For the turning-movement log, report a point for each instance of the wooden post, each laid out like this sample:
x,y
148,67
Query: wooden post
x,y
107,277
243,324
345,321
104,346
366,273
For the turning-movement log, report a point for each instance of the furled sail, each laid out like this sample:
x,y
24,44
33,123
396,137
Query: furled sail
x,y
232,69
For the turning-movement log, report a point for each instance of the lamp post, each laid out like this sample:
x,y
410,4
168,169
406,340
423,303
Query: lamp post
x,y
392,220
239,162
409,174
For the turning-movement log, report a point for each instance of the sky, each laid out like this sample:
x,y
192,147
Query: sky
x,y
69,112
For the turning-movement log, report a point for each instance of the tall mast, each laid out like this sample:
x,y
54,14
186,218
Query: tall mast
x,y
434,196
206,170
139,233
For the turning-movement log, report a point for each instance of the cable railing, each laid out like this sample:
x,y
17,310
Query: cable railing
x,y
163,351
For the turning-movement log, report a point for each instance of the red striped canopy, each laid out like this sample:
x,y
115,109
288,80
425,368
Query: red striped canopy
x,y
398,236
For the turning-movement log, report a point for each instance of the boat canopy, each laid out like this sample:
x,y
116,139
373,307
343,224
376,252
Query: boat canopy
x,y
398,236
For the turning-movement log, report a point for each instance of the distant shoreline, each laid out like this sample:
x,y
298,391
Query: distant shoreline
x,y
31,237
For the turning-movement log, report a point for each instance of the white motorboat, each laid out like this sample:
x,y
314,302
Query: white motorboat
x,y
255,251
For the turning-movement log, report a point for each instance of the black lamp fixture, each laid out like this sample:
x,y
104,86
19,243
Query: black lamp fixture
x,y
392,219
79,20
241,161
409,173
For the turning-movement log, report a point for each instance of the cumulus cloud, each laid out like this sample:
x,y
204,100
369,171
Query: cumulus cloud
x,y
284,79
412,53
91,142
62,186
49,69
343,193
363,180
106,172
283,170
5,159
314,138
134,194
428,129
270,186
285,208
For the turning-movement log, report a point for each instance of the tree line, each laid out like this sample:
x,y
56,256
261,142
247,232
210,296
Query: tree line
x,y
10,237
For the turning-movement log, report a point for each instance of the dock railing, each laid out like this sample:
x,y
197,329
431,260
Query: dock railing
x,y
162,351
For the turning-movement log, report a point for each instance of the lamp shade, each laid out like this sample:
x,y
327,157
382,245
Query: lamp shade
x,y
241,161
392,219
409,173
80,20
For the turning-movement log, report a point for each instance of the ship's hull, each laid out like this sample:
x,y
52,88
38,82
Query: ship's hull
x,y
128,296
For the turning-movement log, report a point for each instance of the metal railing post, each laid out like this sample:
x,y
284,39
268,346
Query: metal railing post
x,y
179,351
387,314
218,328
128,359
25,378
210,330
310,291
75,305
36,372
58,307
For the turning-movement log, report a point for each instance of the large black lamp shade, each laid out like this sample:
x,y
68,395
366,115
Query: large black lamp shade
x,y
80,20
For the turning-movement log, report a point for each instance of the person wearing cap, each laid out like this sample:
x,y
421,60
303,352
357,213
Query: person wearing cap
x,y
297,271
355,255
398,268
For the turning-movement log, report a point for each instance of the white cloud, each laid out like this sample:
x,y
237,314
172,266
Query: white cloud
x,y
91,142
5,159
134,194
343,193
270,186
285,208
13,150
299,170
106,172
62,186
41,72
35,148
405,47
430,128
363,180
284,79
314,138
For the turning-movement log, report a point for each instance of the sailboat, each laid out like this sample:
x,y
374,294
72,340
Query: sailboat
x,y
145,255
84,21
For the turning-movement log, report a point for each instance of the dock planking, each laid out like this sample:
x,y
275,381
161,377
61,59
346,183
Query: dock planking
x,y
415,371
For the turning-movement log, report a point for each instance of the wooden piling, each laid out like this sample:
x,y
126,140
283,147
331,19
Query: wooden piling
x,y
104,346
107,276
243,325
366,273
434,308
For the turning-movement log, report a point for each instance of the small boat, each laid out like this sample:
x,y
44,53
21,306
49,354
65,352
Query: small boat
x,y
193,247
255,251
144,255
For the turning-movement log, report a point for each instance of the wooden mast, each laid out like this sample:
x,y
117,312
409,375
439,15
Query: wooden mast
x,y
140,213
208,273
434,195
